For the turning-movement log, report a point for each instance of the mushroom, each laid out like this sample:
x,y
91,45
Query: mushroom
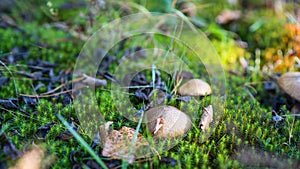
x,y
167,122
195,87
290,84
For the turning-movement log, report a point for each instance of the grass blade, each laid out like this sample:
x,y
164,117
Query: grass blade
x,y
82,142
4,127
125,163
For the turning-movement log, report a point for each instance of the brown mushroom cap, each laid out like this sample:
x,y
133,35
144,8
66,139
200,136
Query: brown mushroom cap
x,y
195,87
290,84
174,122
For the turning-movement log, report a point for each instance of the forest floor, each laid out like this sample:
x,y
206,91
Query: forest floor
x,y
55,102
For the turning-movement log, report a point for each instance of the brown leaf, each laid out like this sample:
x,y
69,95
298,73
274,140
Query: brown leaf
x,y
34,159
8,20
66,135
116,144
94,81
206,118
228,16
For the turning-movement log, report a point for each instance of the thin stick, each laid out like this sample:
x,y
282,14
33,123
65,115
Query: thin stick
x,y
11,76
51,95
63,85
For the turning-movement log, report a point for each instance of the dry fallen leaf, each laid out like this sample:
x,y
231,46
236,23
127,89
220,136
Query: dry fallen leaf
x,y
34,159
116,144
92,81
206,118
228,16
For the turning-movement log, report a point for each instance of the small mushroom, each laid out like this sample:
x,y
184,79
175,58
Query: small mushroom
x,y
290,84
167,122
195,87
